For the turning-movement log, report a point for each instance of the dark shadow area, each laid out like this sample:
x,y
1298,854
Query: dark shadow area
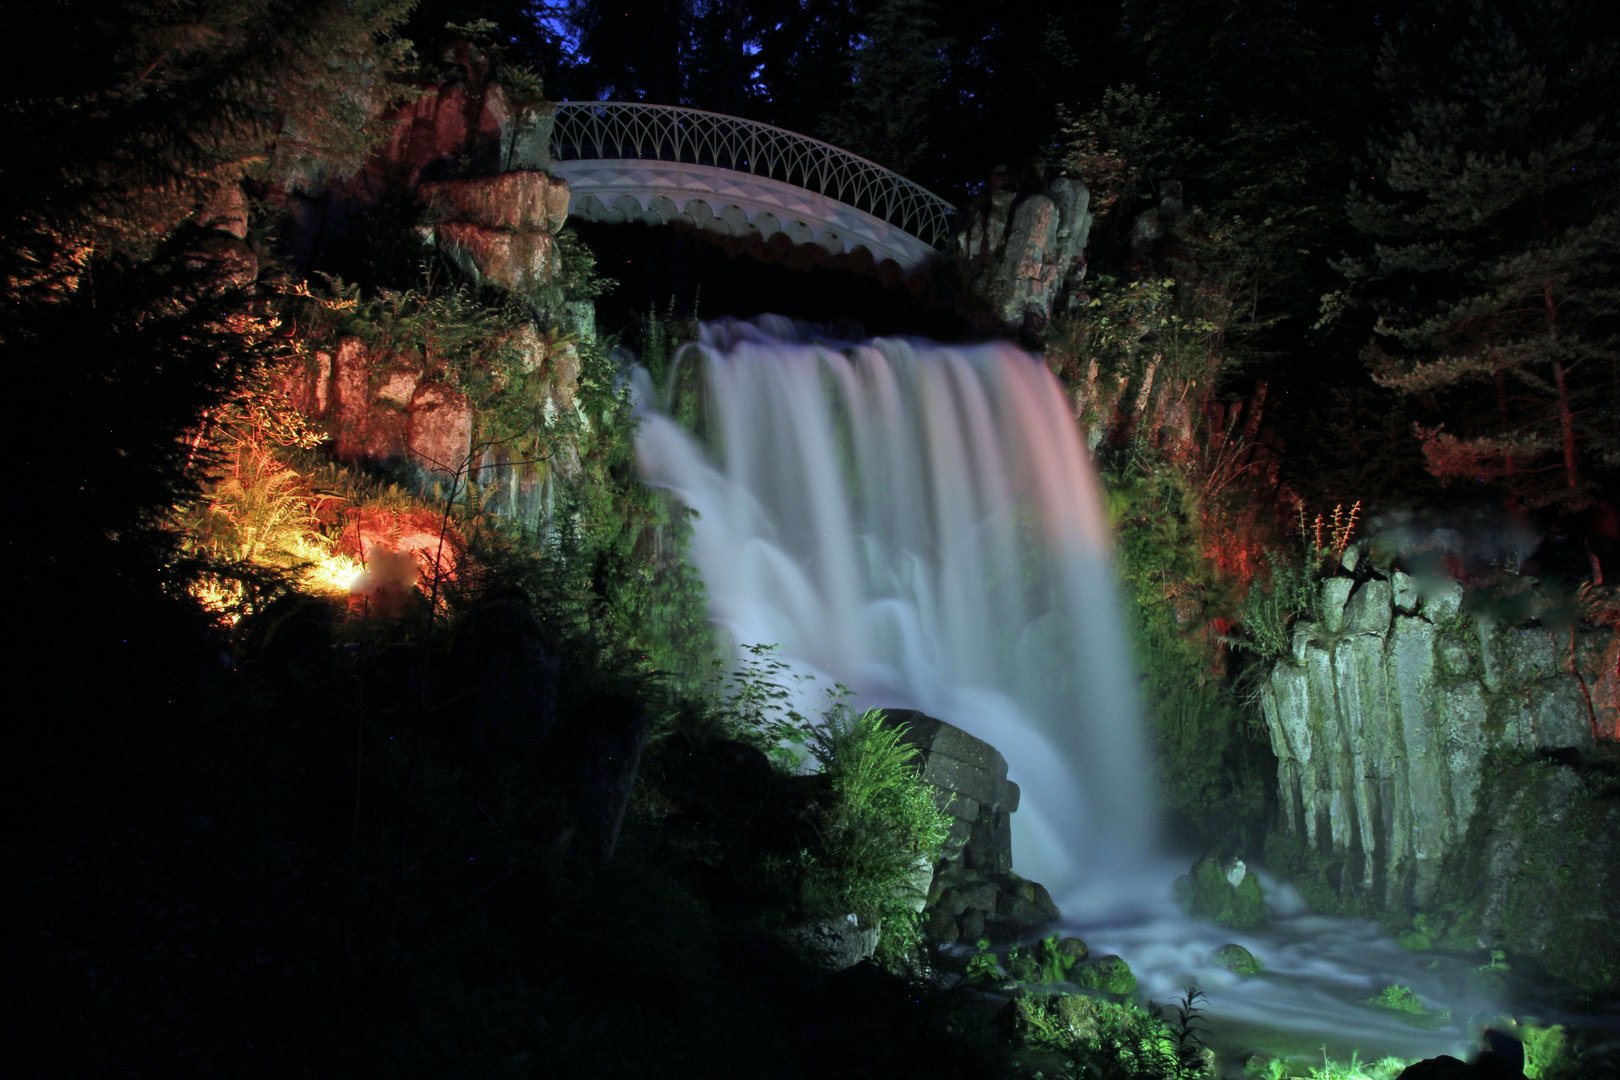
x,y
654,265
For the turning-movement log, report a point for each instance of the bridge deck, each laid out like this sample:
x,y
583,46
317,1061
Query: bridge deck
x,y
665,165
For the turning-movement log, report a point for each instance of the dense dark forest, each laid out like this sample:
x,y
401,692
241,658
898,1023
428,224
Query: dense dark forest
x,y
1349,265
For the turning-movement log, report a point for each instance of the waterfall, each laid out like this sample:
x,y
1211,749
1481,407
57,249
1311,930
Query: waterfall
x,y
921,523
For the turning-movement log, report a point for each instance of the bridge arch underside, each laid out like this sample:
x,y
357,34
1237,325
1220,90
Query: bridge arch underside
x,y
770,220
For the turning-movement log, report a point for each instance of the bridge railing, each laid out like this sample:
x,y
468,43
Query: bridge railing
x,y
592,130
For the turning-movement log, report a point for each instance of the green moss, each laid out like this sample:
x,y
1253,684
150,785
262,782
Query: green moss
x,y
1050,960
1214,759
1553,907
1315,875
1236,959
1109,974
1215,898
1402,1000
881,826
1095,1037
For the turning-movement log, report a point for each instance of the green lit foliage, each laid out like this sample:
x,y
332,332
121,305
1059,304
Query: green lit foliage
x,y
881,831
982,968
622,544
1291,591
1043,962
1550,1053
1094,1037
1389,1068
1269,610
1402,1000
755,707
1212,758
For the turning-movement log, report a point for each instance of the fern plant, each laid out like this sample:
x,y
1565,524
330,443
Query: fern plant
x,y
881,832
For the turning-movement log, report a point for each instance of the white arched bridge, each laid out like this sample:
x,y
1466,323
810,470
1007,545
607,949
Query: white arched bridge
x,y
663,165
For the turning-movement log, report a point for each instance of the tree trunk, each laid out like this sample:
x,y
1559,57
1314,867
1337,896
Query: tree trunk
x,y
1566,416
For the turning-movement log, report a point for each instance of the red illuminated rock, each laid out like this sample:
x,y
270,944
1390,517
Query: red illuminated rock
x,y
438,432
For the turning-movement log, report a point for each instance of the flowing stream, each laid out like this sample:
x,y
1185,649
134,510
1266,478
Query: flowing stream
x,y
921,523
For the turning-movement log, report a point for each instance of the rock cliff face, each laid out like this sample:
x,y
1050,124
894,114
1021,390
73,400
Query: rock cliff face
x,y
1022,257
498,228
465,164
1385,713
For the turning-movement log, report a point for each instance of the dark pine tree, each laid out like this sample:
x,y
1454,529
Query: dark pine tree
x,y
894,86
1492,208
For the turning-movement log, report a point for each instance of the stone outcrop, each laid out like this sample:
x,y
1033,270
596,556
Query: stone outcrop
x,y
498,229
471,125
1390,705
388,408
1022,258
972,891
384,407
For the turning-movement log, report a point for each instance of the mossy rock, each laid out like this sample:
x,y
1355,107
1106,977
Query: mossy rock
x,y
1486,983
1110,974
1402,1000
1073,948
1415,941
1047,961
1225,892
1236,959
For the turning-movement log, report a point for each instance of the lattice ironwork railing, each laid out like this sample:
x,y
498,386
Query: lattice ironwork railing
x,y
593,130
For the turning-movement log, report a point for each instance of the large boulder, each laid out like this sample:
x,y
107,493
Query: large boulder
x,y
1224,891
1236,959
1110,974
835,944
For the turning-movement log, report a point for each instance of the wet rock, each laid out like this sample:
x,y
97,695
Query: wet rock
x,y
834,944
940,928
1335,592
1023,257
1073,948
499,228
1368,611
1226,892
438,430
1236,959
1110,974
1026,903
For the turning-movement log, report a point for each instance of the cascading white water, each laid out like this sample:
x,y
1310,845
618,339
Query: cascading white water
x,y
921,523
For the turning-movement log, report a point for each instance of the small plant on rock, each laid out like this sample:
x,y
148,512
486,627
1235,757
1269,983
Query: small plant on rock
x,y
881,834
1402,1000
